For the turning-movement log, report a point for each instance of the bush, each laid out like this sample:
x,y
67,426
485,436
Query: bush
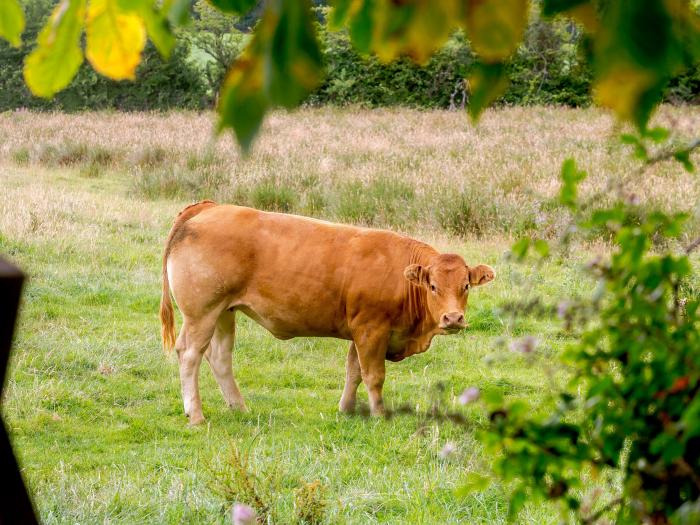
x,y
159,85
273,195
385,201
631,411
353,79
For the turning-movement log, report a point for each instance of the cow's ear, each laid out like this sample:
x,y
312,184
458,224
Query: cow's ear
x,y
416,274
481,274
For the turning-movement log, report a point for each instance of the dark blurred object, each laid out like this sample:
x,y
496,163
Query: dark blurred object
x,y
15,505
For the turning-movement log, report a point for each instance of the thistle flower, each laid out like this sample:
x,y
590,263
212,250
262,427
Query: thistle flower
x,y
469,395
243,515
524,345
448,450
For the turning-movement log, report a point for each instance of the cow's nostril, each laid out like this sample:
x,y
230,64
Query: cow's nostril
x,y
452,319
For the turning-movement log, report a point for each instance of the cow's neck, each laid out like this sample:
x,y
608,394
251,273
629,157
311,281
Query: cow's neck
x,y
415,302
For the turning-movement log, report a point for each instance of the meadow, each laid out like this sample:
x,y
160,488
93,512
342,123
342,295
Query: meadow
x,y
93,404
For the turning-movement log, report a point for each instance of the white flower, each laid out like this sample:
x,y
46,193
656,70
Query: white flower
x,y
470,395
243,515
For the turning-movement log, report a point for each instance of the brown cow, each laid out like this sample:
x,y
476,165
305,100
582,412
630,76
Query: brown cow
x,y
386,293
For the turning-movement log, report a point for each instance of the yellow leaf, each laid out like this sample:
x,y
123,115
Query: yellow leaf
x,y
586,15
496,27
621,87
414,29
115,39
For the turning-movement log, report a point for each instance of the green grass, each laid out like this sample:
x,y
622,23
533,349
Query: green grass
x,y
94,410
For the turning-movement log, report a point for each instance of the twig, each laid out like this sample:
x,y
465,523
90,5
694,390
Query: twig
x,y
595,517
668,154
692,246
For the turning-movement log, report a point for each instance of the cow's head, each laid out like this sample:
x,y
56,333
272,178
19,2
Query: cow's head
x,y
448,280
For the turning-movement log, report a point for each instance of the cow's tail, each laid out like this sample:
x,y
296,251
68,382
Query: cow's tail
x,y
167,314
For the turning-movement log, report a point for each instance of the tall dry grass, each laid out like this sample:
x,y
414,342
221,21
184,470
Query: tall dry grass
x,y
398,168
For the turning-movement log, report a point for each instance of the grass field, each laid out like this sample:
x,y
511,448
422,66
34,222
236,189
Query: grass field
x,y
93,404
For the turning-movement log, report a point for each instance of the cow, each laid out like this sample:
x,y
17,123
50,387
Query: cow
x,y
386,293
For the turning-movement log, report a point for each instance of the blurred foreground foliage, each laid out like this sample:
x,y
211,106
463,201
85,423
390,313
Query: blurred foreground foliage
x,y
628,421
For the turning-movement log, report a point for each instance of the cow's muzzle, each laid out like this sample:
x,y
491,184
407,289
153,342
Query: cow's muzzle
x,y
452,322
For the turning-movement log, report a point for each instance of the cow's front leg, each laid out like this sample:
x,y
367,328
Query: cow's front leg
x,y
353,377
371,352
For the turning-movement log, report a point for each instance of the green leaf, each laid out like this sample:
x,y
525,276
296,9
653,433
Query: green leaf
x,y
157,24
57,57
684,158
640,150
475,482
521,247
243,104
571,176
493,397
294,54
517,501
280,66
233,6
178,11
487,82
339,13
583,11
361,27
158,29
11,22
542,247
657,134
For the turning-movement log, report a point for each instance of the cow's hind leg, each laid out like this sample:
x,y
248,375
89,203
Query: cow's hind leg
x,y
219,357
353,378
197,337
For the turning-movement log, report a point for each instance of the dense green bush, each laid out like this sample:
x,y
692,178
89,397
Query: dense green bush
x,y
353,79
160,84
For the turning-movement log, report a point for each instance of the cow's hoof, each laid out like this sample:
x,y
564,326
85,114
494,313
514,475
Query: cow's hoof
x,y
378,412
346,407
196,420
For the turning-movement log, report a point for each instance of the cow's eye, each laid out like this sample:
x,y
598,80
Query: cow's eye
x,y
432,288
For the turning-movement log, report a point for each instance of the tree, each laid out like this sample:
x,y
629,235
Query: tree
x,y
215,34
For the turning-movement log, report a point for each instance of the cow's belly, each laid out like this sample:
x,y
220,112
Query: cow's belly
x,y
401,345
287,321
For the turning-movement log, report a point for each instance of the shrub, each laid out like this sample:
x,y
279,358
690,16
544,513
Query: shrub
x,y
21,156
385,201
273,195
631,411
176,182
160,84
70,154
309,503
